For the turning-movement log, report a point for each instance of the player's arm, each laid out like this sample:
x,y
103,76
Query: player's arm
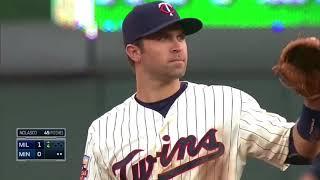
x,y
306,132
90,168
298,69
263,135
269,137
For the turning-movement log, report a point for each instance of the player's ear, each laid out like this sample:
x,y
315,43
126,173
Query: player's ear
x,y
134,52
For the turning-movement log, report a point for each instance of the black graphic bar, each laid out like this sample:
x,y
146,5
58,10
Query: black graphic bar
x,y
49,132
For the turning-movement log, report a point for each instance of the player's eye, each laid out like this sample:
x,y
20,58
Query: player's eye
x,y
181,37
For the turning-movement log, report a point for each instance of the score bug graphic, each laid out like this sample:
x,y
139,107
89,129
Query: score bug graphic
x,y
41,144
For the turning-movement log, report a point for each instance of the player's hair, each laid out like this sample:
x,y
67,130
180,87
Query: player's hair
x,y
139,44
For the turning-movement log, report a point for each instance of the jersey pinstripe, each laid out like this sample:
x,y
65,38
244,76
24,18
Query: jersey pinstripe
x,y
240,125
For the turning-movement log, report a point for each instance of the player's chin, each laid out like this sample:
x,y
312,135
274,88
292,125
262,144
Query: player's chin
x,y
177,73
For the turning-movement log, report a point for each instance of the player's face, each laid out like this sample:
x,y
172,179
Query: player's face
x,y
165,54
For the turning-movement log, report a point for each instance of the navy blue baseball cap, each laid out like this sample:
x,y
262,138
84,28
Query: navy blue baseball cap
x,y
150,18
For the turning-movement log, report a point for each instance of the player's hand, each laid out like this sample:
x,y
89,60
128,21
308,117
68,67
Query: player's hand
x,y
312,103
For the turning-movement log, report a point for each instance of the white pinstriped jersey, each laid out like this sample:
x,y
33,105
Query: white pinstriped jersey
x,y
208,133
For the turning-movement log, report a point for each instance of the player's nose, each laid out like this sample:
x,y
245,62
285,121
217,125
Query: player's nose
x,y
177,45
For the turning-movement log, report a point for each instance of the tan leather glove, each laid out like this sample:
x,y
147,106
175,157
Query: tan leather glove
x,y
299,67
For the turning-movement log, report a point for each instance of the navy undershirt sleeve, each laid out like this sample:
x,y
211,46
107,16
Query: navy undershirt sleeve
x,y
308,127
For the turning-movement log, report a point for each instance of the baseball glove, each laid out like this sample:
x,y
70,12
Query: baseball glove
x,y
299,67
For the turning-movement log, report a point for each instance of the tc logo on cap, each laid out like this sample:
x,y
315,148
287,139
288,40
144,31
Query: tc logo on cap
x,y
166,8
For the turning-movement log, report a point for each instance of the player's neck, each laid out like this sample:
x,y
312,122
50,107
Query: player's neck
x,y
153,91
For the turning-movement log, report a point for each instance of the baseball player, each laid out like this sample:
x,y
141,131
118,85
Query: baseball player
x,y
172,129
